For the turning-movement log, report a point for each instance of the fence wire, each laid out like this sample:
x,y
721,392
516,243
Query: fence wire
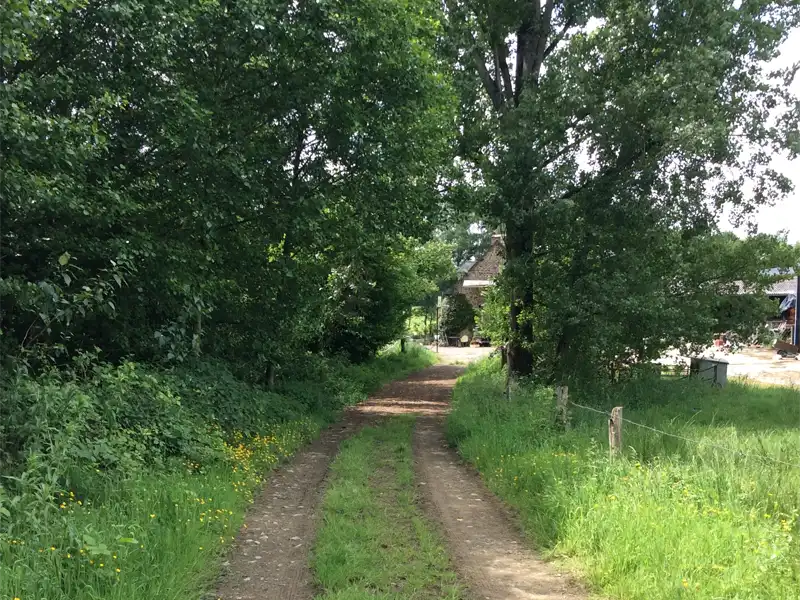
x,y
688,439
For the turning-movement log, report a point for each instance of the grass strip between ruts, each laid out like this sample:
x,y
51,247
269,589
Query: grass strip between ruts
x,y
374,541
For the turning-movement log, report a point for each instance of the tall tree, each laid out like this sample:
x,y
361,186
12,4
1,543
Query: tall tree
x,y
605,125
183,176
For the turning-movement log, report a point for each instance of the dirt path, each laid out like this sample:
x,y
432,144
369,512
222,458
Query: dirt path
x,y
271,559
487,549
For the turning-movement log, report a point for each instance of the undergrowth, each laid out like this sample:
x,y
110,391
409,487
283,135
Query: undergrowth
x,y
669,518
375,543
125,482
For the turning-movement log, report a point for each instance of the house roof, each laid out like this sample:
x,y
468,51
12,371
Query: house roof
x,y
783,288
465,266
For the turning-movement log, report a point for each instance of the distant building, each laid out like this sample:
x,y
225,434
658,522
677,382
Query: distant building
x,y
785,295
478,274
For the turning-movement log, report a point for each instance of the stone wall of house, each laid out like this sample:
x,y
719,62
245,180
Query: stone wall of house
x,y
485,268
474,295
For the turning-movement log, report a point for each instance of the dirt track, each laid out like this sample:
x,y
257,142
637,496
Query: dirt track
x,y
271,558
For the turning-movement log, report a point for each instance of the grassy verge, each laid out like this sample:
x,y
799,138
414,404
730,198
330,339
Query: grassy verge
x,y
668,519
374,542
130,483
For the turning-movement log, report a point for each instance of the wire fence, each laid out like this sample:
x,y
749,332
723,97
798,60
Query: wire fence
x,y
688,439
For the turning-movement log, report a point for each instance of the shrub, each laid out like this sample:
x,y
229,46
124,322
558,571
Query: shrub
x,y
458,315
493,316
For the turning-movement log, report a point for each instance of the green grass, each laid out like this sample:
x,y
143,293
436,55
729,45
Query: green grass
x,y
374,542
152,529
669,518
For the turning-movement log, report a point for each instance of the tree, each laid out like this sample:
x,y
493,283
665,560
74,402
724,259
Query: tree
x,y
457,316
604,129
183,177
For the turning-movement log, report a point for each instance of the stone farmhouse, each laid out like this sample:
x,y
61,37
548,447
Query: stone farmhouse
x,y
477,274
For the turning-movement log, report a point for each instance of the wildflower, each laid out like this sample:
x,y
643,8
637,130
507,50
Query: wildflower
x,y
118,570
685,583
102,565
152,516
52,548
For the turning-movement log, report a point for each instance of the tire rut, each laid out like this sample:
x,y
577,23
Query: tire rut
x,y
488,551
270,558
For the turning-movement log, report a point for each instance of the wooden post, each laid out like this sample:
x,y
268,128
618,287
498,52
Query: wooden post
x,y
402,344
615,430
503,357
562,404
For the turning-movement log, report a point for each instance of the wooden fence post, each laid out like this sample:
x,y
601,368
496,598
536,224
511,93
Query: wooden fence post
x,y
562,405
615,430
402,344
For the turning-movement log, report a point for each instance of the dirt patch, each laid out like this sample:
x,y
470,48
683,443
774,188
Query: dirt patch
x,y
424,393
270,558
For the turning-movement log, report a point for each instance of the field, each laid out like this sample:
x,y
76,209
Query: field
x,y
714,517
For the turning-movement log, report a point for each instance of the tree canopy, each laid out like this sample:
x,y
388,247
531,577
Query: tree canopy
x,y
607,137
231,178
256,179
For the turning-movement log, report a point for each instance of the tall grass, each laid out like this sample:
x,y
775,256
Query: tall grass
x,y
89,511
667,519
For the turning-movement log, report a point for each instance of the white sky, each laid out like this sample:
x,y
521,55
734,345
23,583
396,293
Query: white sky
x,y
785,215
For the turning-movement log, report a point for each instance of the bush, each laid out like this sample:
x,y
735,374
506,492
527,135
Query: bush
x,y
457,316
493,316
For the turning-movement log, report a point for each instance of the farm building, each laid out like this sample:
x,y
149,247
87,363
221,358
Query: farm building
x,y
785,295
477,274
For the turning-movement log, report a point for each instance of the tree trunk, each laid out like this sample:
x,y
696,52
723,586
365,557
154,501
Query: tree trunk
x,y
517,245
